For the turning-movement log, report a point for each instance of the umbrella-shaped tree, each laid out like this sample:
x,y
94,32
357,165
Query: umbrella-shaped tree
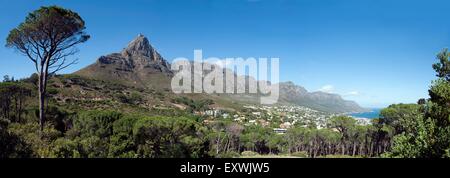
x,y
48,36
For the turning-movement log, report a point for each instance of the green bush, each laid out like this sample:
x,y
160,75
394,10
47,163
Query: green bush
x,y
164,137
93,147
122,146
52,91
64,148
11,146
95,123
30,134
122,141
133,98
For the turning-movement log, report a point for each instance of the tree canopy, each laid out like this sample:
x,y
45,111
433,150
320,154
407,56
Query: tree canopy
x,y
48,37
46,34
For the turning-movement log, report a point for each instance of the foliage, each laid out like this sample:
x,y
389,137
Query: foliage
x,y
168,137
427,135
95,123
400,116
442,68
40,144
10,144
64,148
12,100
200,105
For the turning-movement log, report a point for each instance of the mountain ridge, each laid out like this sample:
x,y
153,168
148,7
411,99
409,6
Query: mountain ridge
x,y
140,65
292,93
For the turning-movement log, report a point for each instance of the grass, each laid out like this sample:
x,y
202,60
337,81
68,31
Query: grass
x,y
270,156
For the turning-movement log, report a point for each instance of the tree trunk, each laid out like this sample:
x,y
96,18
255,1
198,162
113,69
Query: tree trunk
x,y
41,102
43,75
217,144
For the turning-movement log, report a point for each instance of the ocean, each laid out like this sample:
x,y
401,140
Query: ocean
x,y
374,113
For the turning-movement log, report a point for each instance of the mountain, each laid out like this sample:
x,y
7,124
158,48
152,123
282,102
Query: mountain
x,y
140,65
294,94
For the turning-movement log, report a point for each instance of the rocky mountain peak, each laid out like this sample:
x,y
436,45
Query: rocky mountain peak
x,y
140,46
138,64
290,86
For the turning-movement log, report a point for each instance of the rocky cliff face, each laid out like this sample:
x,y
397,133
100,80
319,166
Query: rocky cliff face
x,y
140,55
138,64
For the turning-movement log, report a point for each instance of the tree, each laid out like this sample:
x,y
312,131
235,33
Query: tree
x,y
399,116
427,135
381,135
234,131
443,67
95,123
169,137
48,37
6,78
344,125
12,99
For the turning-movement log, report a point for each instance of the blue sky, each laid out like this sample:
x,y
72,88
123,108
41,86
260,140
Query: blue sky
x,y
376,52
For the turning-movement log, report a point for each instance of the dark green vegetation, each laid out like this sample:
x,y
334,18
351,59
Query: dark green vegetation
x,y
424,129
81,126
91,118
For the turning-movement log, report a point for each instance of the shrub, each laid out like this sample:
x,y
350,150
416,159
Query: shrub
x,y
135,97
169,137
122,146
11,146
29,133
122,142
95,123
93,147
64,148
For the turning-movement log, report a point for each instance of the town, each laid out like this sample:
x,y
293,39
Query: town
x,y
278,117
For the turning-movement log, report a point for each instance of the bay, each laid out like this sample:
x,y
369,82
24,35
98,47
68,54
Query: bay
x,y
374,113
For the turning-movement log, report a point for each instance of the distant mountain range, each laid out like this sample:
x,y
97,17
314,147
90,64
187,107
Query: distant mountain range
x,y
294,94
139,65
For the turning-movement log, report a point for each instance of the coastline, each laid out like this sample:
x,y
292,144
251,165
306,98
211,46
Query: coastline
x,y
372,114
